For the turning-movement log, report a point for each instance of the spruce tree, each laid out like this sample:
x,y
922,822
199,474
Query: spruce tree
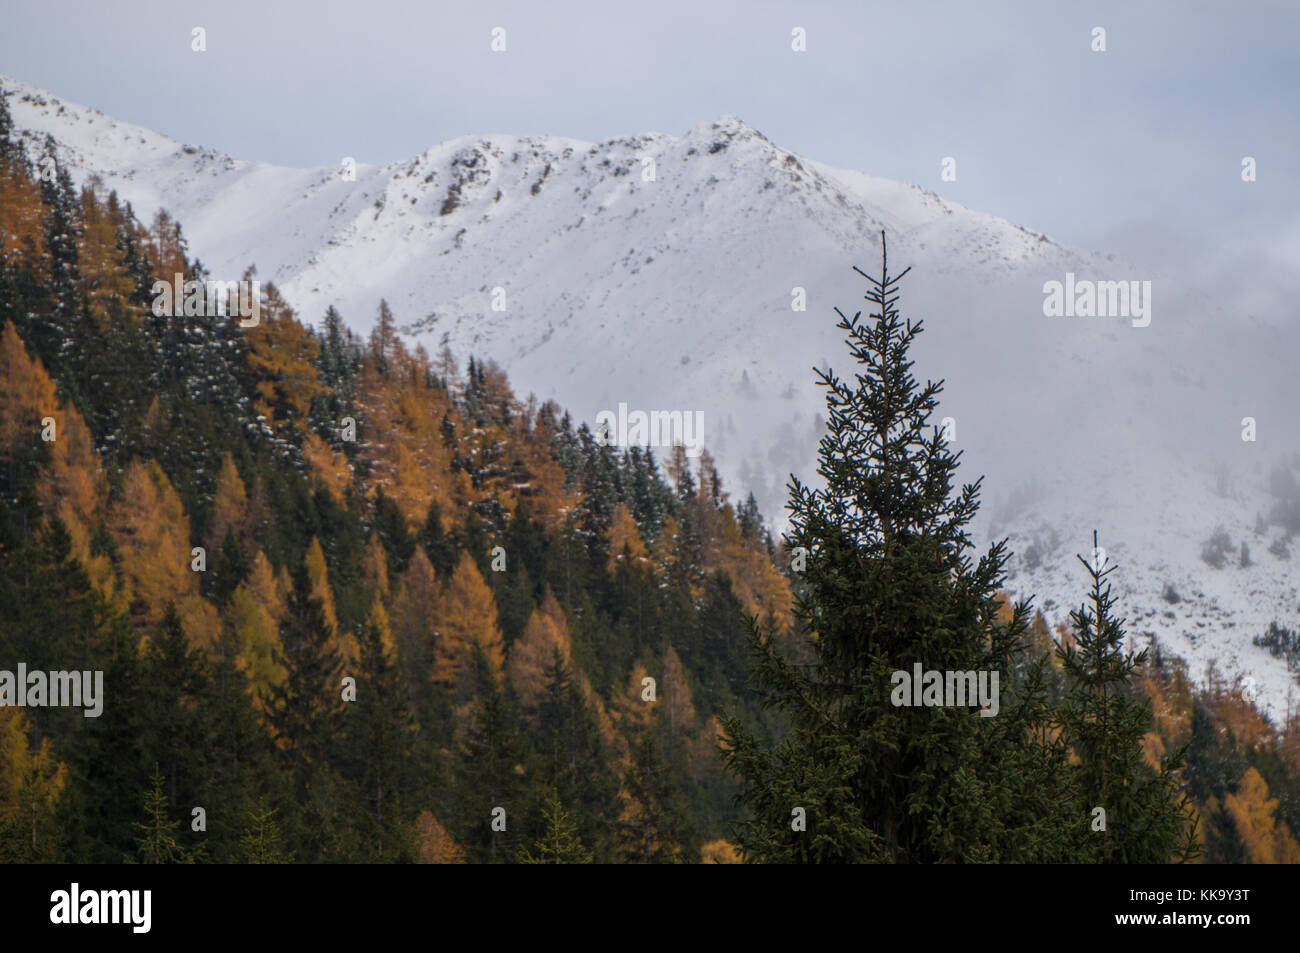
x,y
888,584
575,760
159,840
305,712
489,779
260,841
561,843
379,734
1103,722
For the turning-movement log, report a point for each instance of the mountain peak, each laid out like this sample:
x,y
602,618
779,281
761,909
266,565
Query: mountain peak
x,y
725,129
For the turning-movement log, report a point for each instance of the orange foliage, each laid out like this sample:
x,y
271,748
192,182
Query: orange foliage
x,y
1269,841
283,356
624,535
317,571
545,636
329,465
434,844
151,530
720,852
229,507
413,610
72,485
466,616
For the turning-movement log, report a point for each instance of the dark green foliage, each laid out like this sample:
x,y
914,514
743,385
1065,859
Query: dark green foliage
x,y
1103,722
491,777
888,585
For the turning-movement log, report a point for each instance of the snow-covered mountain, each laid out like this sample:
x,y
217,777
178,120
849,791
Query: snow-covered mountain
x,y
663,272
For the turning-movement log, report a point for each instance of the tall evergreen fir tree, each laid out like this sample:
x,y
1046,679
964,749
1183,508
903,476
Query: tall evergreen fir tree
x,y
889,584
575,760
1145,818
304,716
380,734
490,776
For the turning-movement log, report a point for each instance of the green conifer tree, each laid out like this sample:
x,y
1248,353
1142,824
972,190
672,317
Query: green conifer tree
x,y
888,584
561,843
159,840
1145,819
260,841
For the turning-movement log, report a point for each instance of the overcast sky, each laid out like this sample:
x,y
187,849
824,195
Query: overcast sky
x,y
1135,151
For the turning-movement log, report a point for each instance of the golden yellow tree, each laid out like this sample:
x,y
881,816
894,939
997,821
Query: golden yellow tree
x,y
433,844
329,465
30,781
378,618
72,485
545,635
678,708
149,525
624,537
374,566
255,611
720,852
466,617
415,608
229,507
318,573
1269,841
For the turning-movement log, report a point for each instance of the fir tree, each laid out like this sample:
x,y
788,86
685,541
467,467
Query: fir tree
x,y
490,778
159,840
888,585
380,733
304,717
1104,723
260,841
561,843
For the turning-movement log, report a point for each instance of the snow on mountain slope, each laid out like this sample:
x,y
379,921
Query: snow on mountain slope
x,y
659,271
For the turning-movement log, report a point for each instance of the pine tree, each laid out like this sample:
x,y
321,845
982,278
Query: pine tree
x,y
305,710
159,840
561,843
380,732
383,339
489,777
888,585
1103,722
575,758
62,230
260,841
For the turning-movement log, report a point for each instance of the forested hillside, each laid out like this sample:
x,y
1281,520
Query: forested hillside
x,y
230,522
354,602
